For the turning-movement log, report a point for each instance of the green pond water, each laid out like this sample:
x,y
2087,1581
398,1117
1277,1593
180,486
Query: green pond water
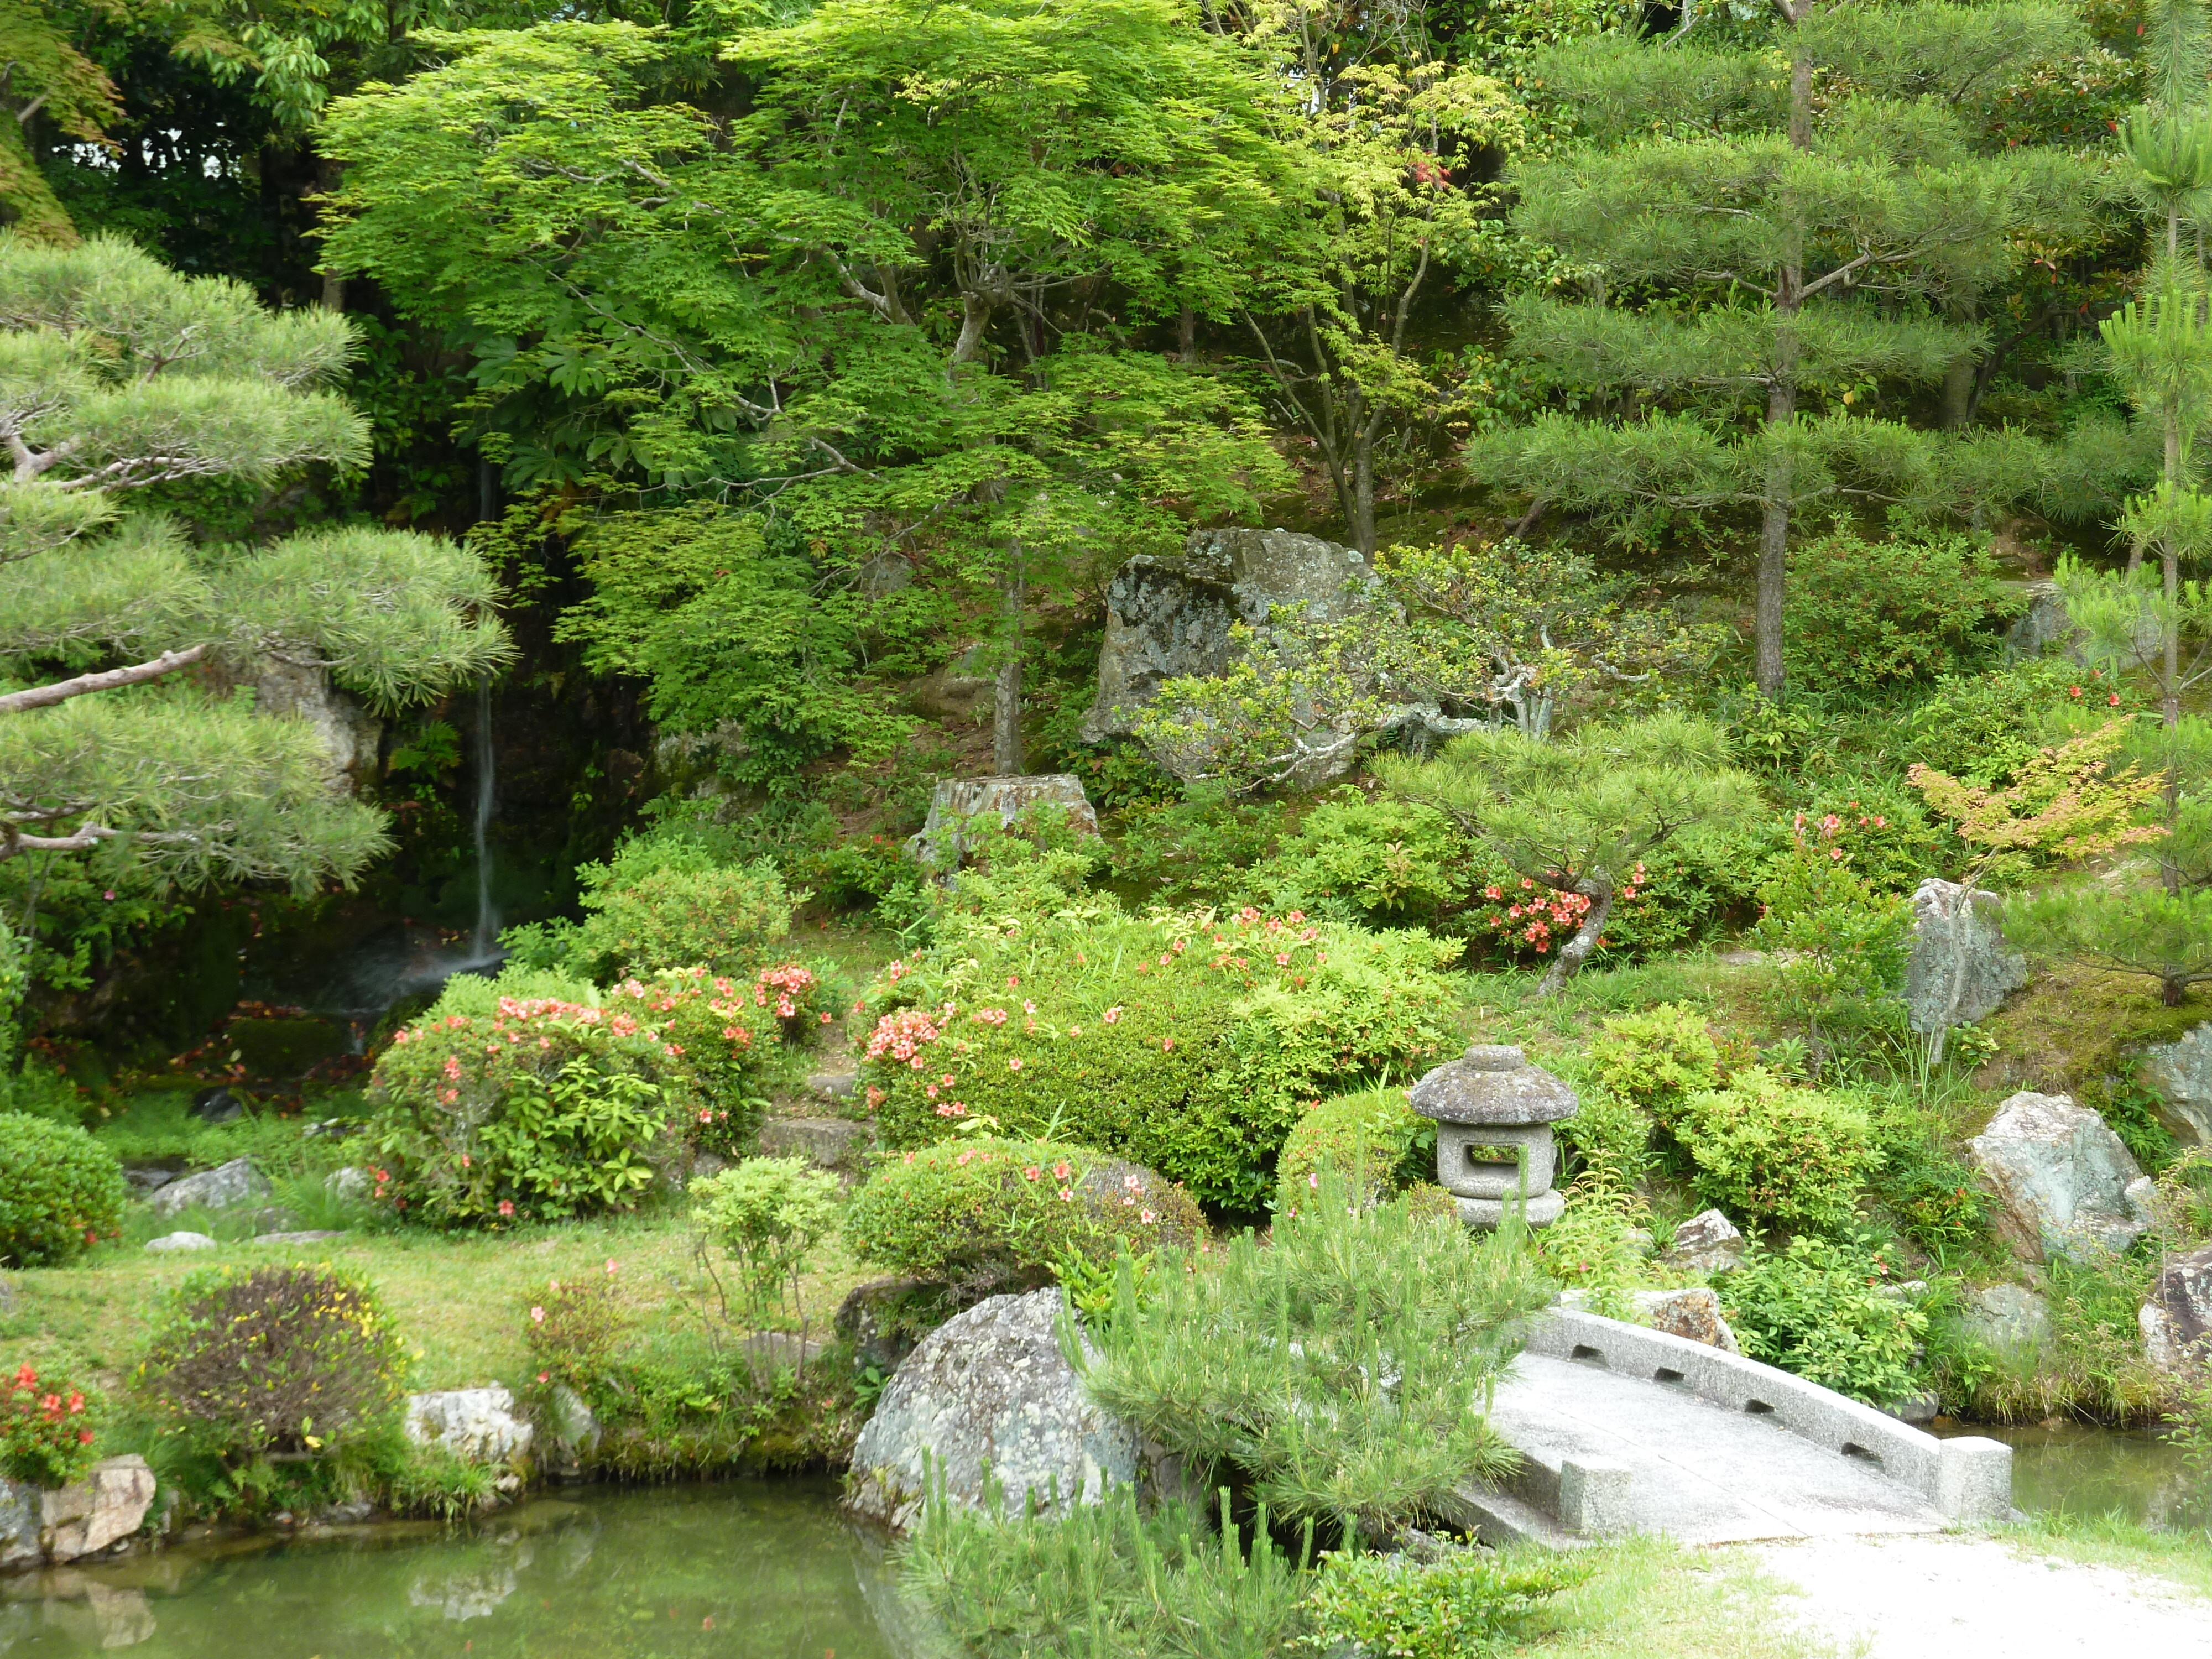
x,y
735,1570
2077,1470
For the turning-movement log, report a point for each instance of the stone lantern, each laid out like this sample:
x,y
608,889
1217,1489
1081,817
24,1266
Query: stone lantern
x,y
1494,1113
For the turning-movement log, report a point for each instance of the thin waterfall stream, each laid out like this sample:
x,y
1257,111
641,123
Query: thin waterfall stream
x,y
483,942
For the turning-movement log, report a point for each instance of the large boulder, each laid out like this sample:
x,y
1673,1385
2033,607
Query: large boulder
x,y
940,843
989,1398
235,1182
477,1425
1708,1243
20,1516
106,1507
1959,969
1169,618
2181,1071
2177,1321
2063,1182
2009,1317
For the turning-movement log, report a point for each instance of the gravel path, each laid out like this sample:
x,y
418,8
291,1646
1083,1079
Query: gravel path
x,y
1950,1597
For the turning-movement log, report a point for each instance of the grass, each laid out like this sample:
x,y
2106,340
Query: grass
x,y
2183,1558
462,1299
1648,1599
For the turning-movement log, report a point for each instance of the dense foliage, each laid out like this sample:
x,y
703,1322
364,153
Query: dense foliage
x,y
48,1427
61,1191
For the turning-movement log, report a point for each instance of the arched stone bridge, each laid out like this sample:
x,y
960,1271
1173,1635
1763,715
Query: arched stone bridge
x,y
1624,1429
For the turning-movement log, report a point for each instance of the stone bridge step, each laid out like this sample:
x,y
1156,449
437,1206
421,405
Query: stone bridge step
x,y
1625,1429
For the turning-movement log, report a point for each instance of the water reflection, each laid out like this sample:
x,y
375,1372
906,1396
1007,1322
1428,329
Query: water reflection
x,y
761,1570
2074,1469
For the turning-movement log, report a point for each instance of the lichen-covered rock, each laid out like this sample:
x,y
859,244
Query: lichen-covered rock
x,y
2063,1181
988,1397
1708,1243
107,1506
2008,1318
235,1182
2181,1073
940,844
1169,618
477,1425
350,1185
2177,1321
1959,969
1693,1314
20,1514
179,1241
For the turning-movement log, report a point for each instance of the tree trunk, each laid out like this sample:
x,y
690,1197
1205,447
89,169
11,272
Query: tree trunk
x,y
328,176
1774,548
1006,758
1362,487
1187,335
1959,381
2171,991
1576,949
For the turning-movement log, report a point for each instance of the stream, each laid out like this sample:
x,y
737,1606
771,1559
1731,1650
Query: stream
x,y
733,1570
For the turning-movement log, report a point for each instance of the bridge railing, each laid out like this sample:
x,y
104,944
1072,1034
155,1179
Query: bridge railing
x,y
1967,1479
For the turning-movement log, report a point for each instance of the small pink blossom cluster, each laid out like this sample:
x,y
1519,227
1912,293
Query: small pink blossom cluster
x,y
901,1036
789,983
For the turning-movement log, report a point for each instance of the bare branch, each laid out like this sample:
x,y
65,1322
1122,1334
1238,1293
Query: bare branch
x,y
45,696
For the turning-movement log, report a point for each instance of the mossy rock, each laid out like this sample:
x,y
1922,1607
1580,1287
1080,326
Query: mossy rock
x,y
2075,1026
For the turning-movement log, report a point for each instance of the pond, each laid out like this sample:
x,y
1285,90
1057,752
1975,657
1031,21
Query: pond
x,y
735,1570
2074,1469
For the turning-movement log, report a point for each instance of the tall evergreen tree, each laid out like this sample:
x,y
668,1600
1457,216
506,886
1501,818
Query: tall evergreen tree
x,y
121,382
1765,255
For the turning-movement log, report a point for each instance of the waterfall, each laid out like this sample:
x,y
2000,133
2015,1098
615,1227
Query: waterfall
x,y
484,942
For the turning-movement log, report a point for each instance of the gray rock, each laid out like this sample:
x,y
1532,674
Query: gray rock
x,y
2042,625
311,1237
235,1182
2177,1321
1169,618
828,1143
148,1180
1959,969
571,1429
1917,1409
884,1320
988,1396
2063,1181
350,1185
833,1085
1693,1314
477,1425
2181,1071
180,1241
940,843
217,1105
2007,1317
348,734
20,1509
1492,1083
769,1353
107,1506
1708,1243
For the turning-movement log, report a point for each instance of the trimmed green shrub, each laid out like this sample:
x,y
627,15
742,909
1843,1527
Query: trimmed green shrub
x,y
985,1215
664,903
1188,1043
541,1109
1383,863
1766,1151
1865,614
60,1191
1374,1131
1471,1602
1816,1309
1656,1059
283,1360
47,1427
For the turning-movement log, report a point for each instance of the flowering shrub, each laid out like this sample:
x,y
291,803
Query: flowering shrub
x,y
540,1108
1530,919
48,1426
572,1331
729,1035
275,1359
1187,1043
60,1191
983,1215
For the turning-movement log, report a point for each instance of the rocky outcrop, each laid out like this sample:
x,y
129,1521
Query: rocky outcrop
x,y
477,1425
2177,1322
2008,1318
235,1182
2181,1073
1959,969
940,843
80,1519
989,1398
348,734
2063,1182
1169,618
1708,1243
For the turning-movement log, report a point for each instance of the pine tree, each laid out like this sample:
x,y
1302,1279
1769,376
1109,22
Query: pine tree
x,y
126,390
1818,239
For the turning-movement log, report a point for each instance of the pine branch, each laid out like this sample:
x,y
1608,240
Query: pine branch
x,y
45,696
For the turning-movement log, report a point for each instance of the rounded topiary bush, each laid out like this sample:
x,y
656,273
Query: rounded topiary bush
x,y
1374,1131
1766,1152
275,1360
984,1216
60,1191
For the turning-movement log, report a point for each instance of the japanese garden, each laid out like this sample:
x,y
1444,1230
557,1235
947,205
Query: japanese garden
x,y
1117,829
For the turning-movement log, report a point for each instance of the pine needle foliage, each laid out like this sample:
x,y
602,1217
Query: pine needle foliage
x,y
1344,1372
